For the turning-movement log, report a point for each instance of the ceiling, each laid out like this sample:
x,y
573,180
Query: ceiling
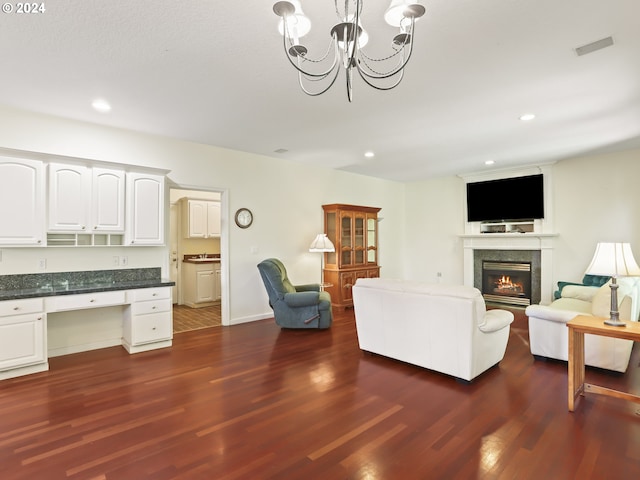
x,y
214,72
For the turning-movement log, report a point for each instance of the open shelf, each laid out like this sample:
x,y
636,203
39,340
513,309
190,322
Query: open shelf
x,y
85,239
524,226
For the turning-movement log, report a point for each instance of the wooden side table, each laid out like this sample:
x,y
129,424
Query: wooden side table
x,y
594,325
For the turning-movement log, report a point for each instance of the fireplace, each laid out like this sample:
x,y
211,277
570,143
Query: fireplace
x,y
507,282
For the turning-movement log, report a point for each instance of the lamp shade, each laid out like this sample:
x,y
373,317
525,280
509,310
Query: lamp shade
x,y
297,22
401,9
322,244
613,259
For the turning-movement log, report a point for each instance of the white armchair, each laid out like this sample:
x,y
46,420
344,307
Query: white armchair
x,y
548,333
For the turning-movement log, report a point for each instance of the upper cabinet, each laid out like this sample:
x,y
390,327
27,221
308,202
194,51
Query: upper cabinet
x,y
52,201
85,200
201,218
108,196
145,209
22,202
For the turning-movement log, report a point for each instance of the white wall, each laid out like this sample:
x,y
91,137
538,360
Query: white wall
x,y
597,199
434,221
285,197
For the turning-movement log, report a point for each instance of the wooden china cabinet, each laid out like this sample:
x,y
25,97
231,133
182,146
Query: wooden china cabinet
x,y
354,232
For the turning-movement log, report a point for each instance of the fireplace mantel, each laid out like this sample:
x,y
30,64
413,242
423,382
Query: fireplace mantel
x,y
513,241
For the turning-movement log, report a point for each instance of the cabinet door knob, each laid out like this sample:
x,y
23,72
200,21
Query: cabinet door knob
x,y
16,308
91,301
39,318
153,308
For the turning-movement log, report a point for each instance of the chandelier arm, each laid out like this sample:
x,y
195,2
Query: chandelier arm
x,y
367,78
371,73
312,94
309,74
400,67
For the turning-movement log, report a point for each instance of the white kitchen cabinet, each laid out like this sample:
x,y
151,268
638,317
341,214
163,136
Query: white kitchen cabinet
x,y
145,209
85,200
107,206
22,202
69,198
201,283
148,321
23,326
201,218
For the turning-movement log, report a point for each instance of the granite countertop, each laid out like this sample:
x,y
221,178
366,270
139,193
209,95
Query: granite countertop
x,y
13,287
211,258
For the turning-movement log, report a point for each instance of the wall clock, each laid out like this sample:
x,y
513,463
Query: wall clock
x,y
244,218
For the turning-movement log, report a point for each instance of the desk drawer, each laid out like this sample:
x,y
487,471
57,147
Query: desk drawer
x,y
20,307
149,329
85,300
154,306
144,294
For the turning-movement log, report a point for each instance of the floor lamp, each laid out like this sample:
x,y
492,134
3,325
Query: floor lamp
x,y
615,260
322,244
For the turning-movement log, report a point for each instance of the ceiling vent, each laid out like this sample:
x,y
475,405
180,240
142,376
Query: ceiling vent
x,y
592,47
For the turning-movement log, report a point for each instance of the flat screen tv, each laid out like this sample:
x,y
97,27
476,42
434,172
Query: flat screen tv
x,y
518,198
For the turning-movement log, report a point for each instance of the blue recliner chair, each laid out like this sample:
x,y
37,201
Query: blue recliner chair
x,y
294,306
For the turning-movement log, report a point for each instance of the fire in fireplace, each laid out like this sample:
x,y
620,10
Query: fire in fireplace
x,y
506,282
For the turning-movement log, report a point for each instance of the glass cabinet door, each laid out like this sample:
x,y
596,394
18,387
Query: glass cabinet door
x,y
358,239
331,226
346,244
372,239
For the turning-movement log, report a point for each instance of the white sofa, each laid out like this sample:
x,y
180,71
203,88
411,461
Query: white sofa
x,y
548,333
445,328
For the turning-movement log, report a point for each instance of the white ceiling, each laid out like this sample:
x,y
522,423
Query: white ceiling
x,y
214,72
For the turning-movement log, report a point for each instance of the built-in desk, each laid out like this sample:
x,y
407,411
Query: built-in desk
x,y
29,311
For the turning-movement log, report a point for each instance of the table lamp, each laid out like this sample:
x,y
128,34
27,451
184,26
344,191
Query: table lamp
x,y
322,244
616,260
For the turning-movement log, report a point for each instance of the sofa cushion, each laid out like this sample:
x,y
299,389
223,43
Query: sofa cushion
x,y
580,292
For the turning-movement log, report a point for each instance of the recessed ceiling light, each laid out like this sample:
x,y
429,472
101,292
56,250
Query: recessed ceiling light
x,y
101,105
489,162
369,154
527,116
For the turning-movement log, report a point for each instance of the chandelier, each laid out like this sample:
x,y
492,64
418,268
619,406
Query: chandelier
x,y
346,47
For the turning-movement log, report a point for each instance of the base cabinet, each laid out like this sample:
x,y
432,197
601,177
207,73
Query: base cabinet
x,y
148,320
342,283
201,284
23,346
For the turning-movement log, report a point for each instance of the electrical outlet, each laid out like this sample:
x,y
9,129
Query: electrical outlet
x,y
42,264
116,261
124,261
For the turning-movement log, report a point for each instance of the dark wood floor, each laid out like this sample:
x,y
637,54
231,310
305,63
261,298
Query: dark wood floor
x,y
255,402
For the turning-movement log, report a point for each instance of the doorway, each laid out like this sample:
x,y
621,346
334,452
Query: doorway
x,y
184,244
